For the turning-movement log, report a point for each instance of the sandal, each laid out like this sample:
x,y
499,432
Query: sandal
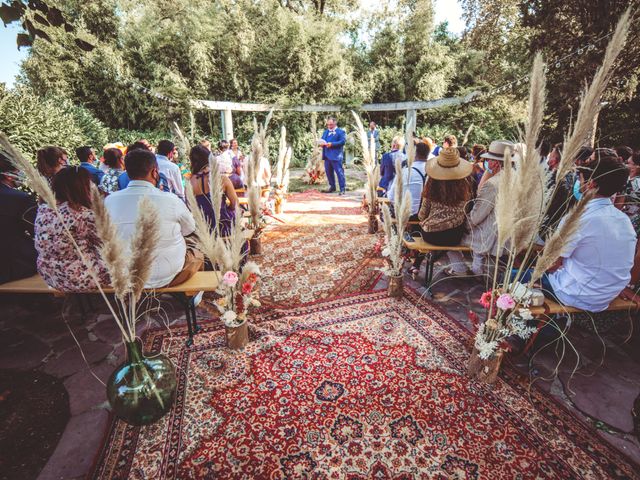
x,y
413,271
450,272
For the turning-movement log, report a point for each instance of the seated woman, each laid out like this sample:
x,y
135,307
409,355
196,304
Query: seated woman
x,y
50,160
58,261
444,198
239,165
114,159
199,157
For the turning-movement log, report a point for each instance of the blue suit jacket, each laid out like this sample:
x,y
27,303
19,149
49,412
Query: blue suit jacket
x,y
336,151
96,173
387,169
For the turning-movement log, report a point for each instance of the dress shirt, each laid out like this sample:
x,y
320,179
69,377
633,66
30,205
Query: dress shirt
x,y
413,184
176,222
172,172
597,261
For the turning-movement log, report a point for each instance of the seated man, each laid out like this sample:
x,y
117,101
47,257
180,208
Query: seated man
x,y
175,261
17,216
414,180
596,263
87,158
388,165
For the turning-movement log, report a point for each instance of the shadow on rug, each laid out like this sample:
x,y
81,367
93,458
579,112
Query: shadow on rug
x,y
34,411
357,387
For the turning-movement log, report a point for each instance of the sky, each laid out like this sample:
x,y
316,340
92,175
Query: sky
x,y
10,57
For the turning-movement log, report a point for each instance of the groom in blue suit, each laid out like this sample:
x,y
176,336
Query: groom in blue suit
x,y
332,154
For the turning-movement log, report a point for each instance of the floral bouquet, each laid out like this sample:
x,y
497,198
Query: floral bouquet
x,y
238,293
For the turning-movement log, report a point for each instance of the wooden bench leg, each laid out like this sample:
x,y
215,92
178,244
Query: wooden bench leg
x,y
187,304
428,273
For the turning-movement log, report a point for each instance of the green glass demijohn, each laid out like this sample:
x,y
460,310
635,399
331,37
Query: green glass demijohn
x,y
142,390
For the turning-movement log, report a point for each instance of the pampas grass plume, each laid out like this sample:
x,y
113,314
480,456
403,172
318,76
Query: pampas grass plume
x,y
215,190
204,234
37,182
111,248
144,245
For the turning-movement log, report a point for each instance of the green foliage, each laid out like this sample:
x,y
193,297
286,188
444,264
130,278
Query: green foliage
x,y
32,122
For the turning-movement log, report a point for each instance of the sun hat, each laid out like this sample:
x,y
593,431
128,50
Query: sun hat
x,y
448,165
497,149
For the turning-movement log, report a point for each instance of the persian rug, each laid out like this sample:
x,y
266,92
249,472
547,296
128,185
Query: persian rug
x,y
357,387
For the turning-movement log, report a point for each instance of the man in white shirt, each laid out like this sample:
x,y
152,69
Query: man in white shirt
x,y
596,262
414,182
175,261
164,153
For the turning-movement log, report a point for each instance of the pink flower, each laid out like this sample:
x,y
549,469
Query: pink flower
x,y
485,299
230,279
505,302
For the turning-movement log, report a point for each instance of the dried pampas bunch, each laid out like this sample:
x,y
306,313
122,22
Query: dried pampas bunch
x,y
261,132
371,169
205,233
227,252
590,101
504,202
215,191
181,139
410,129
284,159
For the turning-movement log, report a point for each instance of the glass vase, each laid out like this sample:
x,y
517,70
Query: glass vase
x,y
142,390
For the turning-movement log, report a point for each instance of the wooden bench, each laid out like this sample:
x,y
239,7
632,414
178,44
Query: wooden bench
x,y
420,246
184,293
550,307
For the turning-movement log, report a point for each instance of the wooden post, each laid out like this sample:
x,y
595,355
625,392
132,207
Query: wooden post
x,y
228,124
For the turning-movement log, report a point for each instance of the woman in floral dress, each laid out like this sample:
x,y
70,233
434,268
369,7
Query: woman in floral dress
x,y
58,260
112,159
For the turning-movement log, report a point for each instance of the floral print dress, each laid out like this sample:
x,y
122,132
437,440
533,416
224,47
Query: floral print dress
x,y
58,262
109,182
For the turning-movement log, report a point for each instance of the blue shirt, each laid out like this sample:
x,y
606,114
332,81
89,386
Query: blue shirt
x,y
96,173
163,183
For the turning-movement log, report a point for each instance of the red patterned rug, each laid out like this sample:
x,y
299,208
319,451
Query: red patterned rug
x,y
357,387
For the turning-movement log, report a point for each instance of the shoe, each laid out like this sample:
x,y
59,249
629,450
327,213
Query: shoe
x,y
342,192
450,272
328,191
197,298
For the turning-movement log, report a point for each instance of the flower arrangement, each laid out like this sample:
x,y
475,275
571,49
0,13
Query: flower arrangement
x,y
237,294
523,198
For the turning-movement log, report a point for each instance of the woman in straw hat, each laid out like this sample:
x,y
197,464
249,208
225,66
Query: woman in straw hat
x,y
444,198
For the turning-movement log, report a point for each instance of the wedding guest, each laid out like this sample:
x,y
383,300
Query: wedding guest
x,y
595,264
373,135
388,165
447,141
483,234
113,159
199,157
123,180
165,153
631,194
431,144
50,160
223,158
444,198
17,215
59,262
238,175
175,261
206,144
478,165
87,158
413,180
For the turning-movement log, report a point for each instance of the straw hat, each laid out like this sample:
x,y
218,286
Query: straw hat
x,y
497,149
448,165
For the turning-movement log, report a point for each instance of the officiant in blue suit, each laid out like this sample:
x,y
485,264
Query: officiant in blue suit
x,y
333,139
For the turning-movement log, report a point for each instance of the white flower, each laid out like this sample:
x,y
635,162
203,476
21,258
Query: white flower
x,y
385,252
229,317
525,314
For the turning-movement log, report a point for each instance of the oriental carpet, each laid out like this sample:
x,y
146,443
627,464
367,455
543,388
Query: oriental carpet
x,y
356,387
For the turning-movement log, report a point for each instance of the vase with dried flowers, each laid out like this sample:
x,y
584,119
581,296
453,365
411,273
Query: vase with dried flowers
x,y
522,202
141,390
373,176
